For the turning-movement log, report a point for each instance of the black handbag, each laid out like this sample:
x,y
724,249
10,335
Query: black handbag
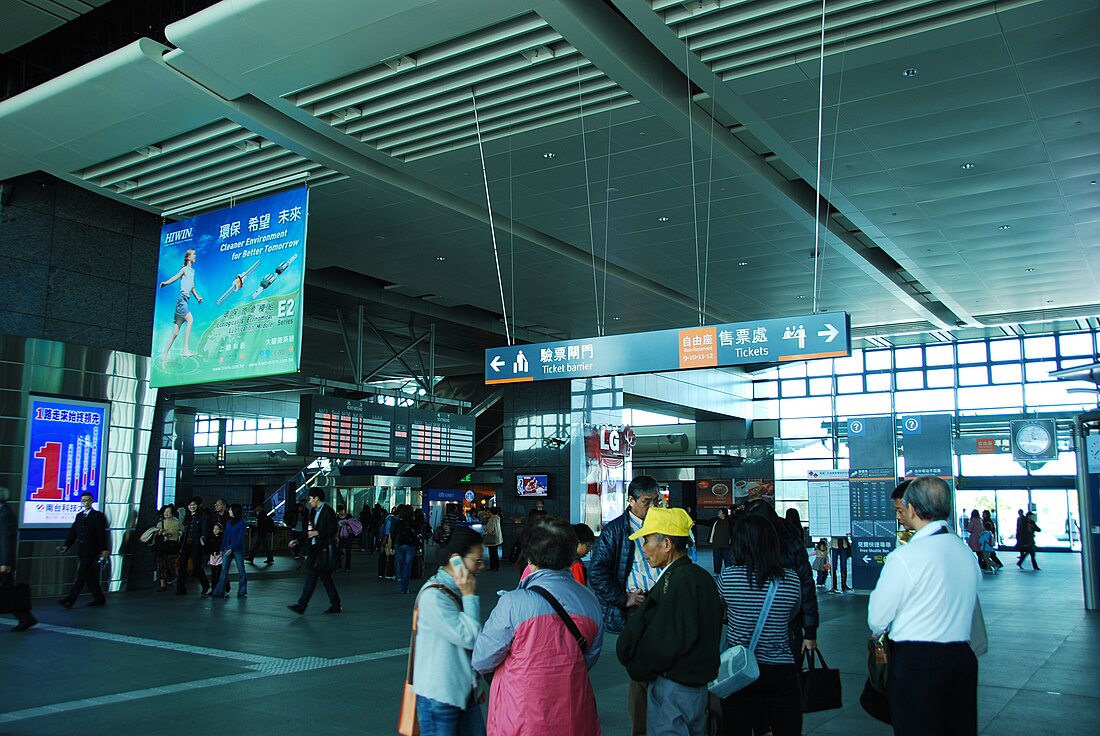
x,y
875,703
326,559
820,685
878,661
14,597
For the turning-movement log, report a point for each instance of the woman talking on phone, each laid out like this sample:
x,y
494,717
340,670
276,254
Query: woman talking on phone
x,y
447,625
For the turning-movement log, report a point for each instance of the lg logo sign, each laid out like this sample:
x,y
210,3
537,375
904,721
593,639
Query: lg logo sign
x,y
616,440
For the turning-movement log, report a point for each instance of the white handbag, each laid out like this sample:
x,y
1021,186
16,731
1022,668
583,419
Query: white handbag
x,y
737,668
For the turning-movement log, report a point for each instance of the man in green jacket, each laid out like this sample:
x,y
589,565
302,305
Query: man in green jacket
x,y
672,641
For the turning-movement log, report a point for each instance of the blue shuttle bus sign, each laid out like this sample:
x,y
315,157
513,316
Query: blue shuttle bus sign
x,y
803,337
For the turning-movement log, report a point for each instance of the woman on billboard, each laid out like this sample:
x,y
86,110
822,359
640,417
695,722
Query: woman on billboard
x,y
186,277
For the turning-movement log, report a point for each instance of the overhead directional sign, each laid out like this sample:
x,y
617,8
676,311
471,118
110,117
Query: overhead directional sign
x,y
803,337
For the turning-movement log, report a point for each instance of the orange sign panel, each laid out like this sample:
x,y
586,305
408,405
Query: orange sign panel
x,y
699,347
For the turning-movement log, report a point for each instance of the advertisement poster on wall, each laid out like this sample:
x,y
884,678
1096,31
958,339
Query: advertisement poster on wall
x,y
607,450
228,302
65,457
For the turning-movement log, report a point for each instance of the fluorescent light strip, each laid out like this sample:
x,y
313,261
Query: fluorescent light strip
x,y
237,193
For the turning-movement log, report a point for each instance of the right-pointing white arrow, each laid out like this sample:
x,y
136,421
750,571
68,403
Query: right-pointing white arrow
x,y
496,363
829,333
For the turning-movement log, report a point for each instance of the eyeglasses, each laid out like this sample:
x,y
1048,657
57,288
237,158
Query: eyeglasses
x,y
477,561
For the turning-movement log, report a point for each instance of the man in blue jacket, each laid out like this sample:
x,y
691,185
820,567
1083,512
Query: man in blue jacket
x,y
620,576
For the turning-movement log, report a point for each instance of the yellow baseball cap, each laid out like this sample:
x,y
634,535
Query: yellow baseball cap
x,y
670,522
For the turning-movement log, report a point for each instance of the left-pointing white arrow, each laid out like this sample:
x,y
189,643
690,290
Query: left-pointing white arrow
x,y
829,333
866,559
496,363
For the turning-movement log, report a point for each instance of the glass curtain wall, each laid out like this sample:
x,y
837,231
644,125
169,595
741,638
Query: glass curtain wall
x,y
994,377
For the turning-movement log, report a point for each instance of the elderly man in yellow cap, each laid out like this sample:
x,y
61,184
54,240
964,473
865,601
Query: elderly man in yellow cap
x,y
672,641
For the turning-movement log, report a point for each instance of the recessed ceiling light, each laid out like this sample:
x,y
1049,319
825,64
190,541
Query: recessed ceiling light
x,y
742,263
662,218
1050,301
968,166
910,72
1093,182
441,258
1030,270
800,296
379,237
1005,227
616,319
549,154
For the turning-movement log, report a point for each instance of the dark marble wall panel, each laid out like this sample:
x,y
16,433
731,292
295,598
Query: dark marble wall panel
x,y
76,267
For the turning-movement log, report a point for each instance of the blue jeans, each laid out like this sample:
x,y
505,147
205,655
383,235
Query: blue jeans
x,y
404,561
242,579
441,719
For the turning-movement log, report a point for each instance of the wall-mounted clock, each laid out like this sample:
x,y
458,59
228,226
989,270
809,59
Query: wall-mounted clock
x,y
1034,439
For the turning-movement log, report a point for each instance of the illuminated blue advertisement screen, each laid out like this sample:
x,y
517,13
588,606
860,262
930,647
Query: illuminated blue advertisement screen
x,y
229,293
66,453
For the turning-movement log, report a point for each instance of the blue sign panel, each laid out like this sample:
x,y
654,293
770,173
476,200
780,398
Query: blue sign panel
x,y
761,341
66,450
229,302
872,464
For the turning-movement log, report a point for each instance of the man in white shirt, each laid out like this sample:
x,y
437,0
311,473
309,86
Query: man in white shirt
x,y
925,600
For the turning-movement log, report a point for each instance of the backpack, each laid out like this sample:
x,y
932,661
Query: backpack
x,y
442,534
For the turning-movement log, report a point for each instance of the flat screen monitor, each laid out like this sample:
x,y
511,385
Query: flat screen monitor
x,y
531,485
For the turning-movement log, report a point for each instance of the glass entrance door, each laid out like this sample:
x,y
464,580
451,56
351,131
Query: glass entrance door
x,y
1055,510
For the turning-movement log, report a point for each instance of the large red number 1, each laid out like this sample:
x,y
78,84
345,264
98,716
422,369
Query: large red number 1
x,y
50,490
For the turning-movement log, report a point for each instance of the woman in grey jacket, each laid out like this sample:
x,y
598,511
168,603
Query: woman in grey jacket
x,y
448,624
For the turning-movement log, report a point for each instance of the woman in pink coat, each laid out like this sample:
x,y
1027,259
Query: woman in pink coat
x,y
527,644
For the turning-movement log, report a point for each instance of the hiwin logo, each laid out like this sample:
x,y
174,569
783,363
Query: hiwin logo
x,y
178,236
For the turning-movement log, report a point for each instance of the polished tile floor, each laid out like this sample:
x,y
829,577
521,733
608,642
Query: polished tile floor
x,y
154,663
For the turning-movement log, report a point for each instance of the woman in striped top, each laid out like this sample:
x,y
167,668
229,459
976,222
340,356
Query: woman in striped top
x,y
773,701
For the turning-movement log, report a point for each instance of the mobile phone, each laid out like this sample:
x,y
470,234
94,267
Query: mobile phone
x,y
457,563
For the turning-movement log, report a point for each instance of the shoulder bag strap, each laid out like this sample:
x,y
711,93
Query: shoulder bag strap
x,y
565,617
772,587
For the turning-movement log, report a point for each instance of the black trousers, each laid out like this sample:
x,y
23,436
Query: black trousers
x,y
197,556
494,557
311,585
933,689
343,558
261,543
87,573
772,701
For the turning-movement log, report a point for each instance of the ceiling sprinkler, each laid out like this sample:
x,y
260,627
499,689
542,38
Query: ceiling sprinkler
x,y
270,278
238,283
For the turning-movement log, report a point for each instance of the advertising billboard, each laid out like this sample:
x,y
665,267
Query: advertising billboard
x,y
228,302
65,457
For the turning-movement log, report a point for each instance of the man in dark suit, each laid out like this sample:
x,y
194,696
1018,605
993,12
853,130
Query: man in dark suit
x,y
89,533
21,608
320,543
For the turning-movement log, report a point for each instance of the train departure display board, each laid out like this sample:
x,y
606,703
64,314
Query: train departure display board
x,y
439,437
364,430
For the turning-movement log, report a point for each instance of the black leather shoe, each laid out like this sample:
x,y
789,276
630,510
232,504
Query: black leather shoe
x,y
65,603
26,624
96,604
334,609
297,609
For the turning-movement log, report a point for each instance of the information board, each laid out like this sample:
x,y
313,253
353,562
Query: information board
x,y
66,453
830,509
228,304
928,448
803,337
364,430
872,451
